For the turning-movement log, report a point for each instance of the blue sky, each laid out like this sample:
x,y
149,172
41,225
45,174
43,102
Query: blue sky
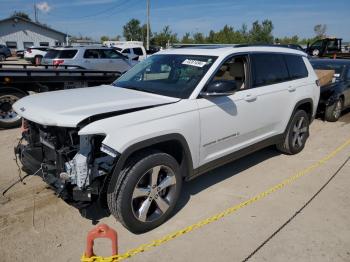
x,y
106,17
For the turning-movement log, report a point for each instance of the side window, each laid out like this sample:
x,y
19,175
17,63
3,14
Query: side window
x,y
233,69
91,54
137,51
268,69
296,66
27,44
126,51
110,53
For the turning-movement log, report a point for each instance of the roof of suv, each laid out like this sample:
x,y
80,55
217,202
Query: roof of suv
x,y
217,50
81,47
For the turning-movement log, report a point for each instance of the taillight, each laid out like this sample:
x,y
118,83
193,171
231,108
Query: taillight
x,y
29,50
58,62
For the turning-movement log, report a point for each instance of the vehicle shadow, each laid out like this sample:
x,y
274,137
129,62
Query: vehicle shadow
x,y
95,212
220,174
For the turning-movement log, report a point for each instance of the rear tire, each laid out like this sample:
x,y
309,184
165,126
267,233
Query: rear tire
x,y
38,59
146,192
333,112
8,117
2,57
296,134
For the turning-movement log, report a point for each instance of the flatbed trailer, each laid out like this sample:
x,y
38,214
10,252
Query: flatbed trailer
x,y
17,81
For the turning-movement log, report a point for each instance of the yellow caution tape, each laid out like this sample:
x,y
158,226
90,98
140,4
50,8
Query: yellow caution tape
x,y
167,238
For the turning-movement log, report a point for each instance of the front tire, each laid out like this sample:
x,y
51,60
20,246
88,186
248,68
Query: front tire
x,y
296,134
2,57
147,193
333,112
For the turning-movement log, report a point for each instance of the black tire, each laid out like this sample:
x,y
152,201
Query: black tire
x,y
2,57
122,201
37,60
295,137
333,112
7,99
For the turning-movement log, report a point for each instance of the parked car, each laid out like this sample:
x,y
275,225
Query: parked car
x,y
335,97
175,115
5,52
35,54
20,53
88,57
133,51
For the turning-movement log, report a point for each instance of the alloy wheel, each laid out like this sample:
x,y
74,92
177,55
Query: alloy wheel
x,y
337,110
300,130
7,114
153,193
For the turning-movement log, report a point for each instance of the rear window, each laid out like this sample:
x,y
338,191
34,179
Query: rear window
x,y
325,65
268,69
51,54
296,66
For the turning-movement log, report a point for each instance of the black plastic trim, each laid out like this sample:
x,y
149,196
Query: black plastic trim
x,y
97,117
236,155
147,143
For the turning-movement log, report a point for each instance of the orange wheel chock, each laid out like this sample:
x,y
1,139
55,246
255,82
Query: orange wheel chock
x,y
101,231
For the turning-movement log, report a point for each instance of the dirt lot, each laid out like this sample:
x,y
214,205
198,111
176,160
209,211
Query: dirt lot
x,y
37,226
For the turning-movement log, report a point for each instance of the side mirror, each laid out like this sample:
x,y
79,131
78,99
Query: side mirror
x,y
220,88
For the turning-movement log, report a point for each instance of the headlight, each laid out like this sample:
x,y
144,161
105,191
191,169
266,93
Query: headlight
x,y
109,151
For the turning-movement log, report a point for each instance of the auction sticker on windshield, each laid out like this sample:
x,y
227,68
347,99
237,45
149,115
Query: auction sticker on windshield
x,y
194,63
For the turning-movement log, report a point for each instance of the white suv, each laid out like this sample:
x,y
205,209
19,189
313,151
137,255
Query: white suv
x,y
35,54
172,117
88,57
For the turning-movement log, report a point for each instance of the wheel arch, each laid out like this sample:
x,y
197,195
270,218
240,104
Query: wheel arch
x,y
12,89
169,143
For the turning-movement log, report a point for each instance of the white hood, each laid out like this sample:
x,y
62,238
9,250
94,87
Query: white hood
x,y
67,108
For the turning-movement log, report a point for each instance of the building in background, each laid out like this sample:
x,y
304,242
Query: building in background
x,y
18,33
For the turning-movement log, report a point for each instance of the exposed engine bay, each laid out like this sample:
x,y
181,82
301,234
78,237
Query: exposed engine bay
x,y
76,167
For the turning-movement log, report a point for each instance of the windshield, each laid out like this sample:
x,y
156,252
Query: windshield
x,y
168,75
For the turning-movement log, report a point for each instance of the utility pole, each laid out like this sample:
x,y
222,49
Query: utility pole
x,y
35,12
148,27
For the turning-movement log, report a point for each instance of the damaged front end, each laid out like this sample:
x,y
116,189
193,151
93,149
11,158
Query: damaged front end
x,y
76,167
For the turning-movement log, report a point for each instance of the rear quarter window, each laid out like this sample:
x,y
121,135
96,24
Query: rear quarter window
x,y
67,54
296,66
268,69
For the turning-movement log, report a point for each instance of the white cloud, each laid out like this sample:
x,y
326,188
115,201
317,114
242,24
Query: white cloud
x,y
43,7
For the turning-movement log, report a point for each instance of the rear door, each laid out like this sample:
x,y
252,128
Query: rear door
x,y
116,62
92,60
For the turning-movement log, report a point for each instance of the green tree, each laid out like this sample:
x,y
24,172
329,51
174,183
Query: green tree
x,y
21,14
165,36
104,38
320,31
199,38
187,39
132,30
261,33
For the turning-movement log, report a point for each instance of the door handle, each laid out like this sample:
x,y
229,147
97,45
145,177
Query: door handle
x,y
250,98
291,88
